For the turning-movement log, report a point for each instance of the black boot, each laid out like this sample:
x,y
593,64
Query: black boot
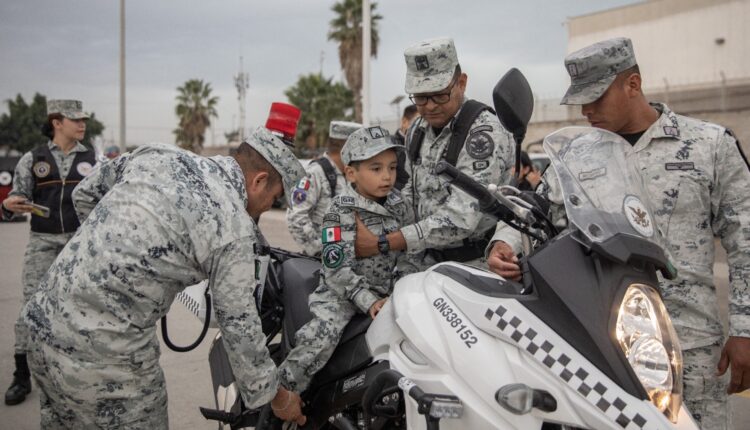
x,y
21,385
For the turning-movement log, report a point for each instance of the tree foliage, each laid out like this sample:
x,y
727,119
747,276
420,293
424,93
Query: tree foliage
x,y
20,128
346,29
195,108
321,101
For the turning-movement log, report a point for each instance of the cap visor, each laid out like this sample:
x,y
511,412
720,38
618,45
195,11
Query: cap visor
x,y
373,151
77,115
587,93
428,84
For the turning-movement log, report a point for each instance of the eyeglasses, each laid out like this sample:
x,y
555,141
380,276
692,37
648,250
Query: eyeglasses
x,y
438,99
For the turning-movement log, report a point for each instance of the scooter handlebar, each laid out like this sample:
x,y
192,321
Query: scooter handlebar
x,y
487,202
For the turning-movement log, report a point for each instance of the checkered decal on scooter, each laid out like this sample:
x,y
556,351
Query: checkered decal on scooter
x,y
587,385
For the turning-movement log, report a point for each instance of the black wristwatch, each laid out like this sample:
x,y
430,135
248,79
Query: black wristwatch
x,y
383,245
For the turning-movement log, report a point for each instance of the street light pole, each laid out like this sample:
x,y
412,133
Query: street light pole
x,y
366,50
122,77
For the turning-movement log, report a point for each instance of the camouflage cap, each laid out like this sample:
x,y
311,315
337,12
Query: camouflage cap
x,y
593,69
71,109
430,66
366,143
279,155
342,129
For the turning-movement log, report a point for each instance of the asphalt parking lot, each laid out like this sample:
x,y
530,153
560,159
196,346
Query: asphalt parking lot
x,y
187,374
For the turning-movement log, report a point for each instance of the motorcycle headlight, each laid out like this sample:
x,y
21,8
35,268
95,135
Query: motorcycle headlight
x,y
647,337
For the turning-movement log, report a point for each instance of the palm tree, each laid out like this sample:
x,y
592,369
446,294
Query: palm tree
x,y
195,108
346,29
321,100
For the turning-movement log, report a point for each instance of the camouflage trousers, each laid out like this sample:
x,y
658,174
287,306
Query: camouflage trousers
x,y
317,339
705,394
40,254
75,394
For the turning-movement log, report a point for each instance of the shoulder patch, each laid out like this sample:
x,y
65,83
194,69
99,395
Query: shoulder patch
x,y
299,195
304,184
331,234
329,217
480,145
347,201
484,127
333,255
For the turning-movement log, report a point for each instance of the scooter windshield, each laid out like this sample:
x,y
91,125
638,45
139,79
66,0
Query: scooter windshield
x,y
600,184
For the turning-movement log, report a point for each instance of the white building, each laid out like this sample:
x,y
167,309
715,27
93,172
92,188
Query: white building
x,y
693,54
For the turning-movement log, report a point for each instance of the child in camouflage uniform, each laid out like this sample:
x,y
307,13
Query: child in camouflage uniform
x,y
349,285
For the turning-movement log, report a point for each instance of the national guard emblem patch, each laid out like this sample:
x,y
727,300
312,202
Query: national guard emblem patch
x,y
41,169
333,255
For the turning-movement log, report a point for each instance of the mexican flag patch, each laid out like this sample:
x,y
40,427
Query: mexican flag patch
x,y
304,184
331,234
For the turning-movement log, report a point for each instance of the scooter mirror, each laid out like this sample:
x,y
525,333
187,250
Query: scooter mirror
x,y
514,102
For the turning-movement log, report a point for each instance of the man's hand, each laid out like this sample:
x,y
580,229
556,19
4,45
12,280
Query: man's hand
x,y
366,243
17,204
503,261
287,406
737,353
376,307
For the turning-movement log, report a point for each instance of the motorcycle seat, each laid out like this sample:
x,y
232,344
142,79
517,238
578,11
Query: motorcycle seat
x,y
301,277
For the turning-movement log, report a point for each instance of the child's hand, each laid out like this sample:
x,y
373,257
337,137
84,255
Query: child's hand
x,y
376,307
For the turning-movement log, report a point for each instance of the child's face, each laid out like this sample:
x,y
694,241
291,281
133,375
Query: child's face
x,y
375,177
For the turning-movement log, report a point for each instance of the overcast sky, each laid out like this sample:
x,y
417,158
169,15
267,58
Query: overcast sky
x,y
70,49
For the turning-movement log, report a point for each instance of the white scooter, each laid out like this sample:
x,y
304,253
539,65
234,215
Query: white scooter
x,y
583,342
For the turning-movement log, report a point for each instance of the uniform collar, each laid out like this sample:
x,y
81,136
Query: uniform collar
x,y
78,148
234,173
393,198
665,127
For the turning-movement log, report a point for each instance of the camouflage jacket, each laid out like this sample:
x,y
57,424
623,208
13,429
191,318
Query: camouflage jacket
x,y
157,219
23,177
310,201
444,215
365,280
697,180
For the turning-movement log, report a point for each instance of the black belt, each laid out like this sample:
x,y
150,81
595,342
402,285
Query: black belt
x,y
470,250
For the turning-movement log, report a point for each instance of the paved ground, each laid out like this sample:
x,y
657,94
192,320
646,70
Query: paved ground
x,y
188,379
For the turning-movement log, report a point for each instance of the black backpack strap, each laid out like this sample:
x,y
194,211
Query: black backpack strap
x,y
470,111
739,146
414,138
330,173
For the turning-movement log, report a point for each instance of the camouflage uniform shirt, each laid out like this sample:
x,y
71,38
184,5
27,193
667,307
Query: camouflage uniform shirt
x,y
347,284
310,201
697,180
446,216
156,220
365,280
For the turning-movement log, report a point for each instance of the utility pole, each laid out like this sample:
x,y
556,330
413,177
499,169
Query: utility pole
x,y
242,83
366,50
122,77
